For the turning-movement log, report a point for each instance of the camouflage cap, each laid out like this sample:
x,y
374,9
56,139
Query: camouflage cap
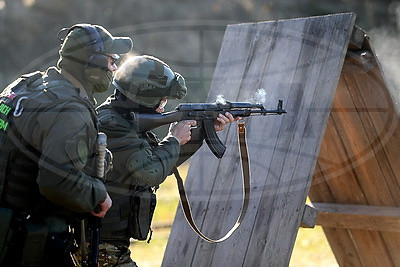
x,y
80,36
114,45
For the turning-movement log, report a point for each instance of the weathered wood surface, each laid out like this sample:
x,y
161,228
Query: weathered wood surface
x,y
359,160
309,218
298,61
375,218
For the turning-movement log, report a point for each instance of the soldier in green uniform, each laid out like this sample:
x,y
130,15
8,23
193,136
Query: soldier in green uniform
x,y
141,161
48,149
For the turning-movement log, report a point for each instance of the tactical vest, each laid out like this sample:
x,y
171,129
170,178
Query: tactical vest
x,y
133,207
18,159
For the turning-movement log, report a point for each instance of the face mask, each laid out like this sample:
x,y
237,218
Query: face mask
x,y
103,84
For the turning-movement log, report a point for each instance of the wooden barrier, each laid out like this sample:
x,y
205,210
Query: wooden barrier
x,y
300,62
356,183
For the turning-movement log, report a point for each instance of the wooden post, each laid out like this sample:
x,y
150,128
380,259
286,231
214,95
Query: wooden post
x,y
362,217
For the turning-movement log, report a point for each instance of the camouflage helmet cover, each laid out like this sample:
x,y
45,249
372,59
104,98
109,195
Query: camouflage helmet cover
x,y
146,80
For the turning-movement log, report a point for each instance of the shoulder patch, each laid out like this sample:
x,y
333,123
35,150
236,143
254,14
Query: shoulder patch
x,y
78,152
83,151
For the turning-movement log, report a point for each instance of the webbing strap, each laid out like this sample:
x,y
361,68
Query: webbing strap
x,y
244,158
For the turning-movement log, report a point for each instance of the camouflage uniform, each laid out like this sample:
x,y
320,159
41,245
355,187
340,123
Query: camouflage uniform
x,y
56,178
47,164
140,161
110,255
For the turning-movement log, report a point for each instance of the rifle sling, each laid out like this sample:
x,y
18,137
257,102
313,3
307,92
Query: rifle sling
x,y
244,158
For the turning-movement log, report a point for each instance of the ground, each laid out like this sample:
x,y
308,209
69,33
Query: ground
x,y
311,248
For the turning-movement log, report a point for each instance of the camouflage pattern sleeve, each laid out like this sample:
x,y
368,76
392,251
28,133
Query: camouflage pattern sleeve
x,y
68,139
154,164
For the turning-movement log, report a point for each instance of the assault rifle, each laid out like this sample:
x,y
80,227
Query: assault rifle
x,y
204,114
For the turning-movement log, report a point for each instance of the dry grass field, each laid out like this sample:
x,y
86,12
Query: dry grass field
x,y
311,247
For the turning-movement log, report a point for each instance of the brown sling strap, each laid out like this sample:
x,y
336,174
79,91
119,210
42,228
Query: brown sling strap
x,y
246,190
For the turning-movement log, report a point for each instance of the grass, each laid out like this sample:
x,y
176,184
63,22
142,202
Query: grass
x,y
151,255
311,248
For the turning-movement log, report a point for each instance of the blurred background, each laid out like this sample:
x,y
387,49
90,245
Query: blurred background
x,y
187,35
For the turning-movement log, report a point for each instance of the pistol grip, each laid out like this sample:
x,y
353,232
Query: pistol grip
x,y
212,140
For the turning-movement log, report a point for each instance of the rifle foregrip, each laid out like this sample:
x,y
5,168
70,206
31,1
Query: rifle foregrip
x,y
212,140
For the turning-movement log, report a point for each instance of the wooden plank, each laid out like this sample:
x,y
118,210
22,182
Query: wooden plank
x,y
298,60
343,247
359,165
226,210
355,131
359,61
305,141
358,216
204,167
371,248
343,186
339,240
392,245
309,217
334,173
344,180
332,34
358,36
370,163
264,133
380,123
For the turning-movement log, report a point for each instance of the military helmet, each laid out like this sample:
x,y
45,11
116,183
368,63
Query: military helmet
x,y
146,80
